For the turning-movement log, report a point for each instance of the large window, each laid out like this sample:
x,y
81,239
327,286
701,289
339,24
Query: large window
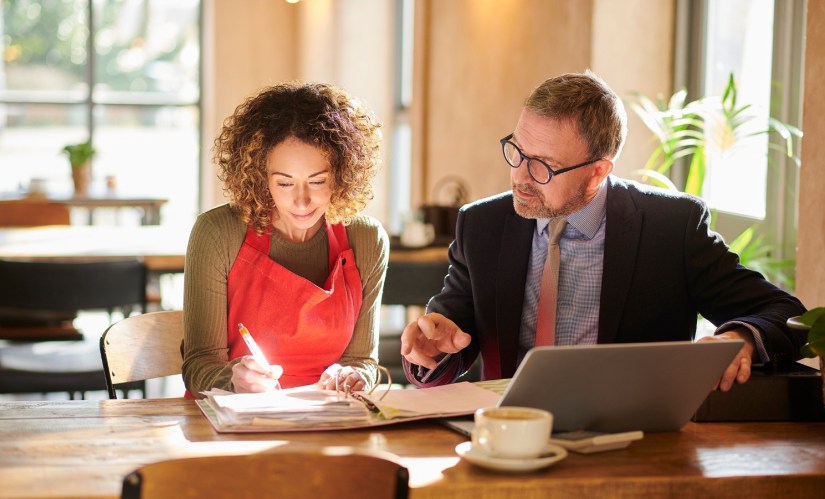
x,y
761,43
125,73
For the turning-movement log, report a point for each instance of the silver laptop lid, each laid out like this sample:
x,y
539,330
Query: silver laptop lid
x,y
620,387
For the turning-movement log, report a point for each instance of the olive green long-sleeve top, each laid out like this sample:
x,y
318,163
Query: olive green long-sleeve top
x,y
214,243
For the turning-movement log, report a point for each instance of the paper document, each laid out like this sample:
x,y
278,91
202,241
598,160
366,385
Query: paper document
x,y
448,400
304,405
308,408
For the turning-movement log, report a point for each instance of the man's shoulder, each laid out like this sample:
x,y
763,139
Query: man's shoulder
x,y
501,202
645,196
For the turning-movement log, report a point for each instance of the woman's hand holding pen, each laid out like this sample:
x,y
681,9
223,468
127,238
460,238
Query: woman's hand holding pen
x,y
344,379
250,376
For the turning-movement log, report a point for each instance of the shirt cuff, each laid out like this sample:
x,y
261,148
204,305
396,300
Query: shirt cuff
x,y
757,338
423,374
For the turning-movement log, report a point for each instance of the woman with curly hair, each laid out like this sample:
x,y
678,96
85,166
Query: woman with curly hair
x,y
288,257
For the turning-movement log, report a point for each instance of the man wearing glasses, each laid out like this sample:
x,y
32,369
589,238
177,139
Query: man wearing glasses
x,y
573,255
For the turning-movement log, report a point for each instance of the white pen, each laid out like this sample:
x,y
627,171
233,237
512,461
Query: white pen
x,y
257,353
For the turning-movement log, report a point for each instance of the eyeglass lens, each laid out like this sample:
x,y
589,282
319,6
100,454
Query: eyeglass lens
x,y
514,158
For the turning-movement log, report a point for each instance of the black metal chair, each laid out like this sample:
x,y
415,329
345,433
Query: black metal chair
x,y
38,301
409,284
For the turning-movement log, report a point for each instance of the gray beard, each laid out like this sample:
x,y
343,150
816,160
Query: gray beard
x,y
525,210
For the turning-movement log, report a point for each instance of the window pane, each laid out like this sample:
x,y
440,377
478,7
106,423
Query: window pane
x,y
146,51
44,50
31,139
151,151
739,41
145,99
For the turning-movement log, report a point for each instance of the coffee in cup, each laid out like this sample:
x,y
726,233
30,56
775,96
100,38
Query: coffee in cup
x,y
512,432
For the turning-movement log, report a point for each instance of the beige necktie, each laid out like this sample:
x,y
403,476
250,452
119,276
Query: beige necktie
x,y
546,316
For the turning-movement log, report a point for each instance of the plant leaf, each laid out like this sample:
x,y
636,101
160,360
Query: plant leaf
x,y
811,316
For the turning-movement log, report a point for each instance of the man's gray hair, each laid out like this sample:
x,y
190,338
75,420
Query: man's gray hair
x,y
592,105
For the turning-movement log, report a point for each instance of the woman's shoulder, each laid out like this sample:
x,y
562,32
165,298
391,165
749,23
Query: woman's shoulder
x,y
220,223
220,217
368,236
367,226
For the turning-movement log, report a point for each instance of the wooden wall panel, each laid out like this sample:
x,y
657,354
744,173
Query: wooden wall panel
x,y
252,44
483,58
810,268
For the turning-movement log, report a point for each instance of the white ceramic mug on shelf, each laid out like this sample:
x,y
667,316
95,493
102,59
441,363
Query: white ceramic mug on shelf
x,y
417,234
37,187
512,432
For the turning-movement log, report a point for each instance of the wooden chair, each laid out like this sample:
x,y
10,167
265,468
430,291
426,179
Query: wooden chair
x,y
142,347
39,300
330,472
32,212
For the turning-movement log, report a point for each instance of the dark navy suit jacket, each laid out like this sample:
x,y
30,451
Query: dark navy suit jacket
x,y
662,266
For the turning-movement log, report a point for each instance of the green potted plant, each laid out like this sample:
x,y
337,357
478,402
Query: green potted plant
x,y
814,321
80,158
712,125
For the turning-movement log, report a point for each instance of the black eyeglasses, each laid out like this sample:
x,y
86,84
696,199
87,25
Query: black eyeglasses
x,y
514,157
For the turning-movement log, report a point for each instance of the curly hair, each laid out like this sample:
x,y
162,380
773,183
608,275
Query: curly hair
x,y
319,114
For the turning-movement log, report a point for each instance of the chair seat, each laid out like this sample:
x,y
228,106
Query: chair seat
x,y
13,381
52,356
50,366
40,332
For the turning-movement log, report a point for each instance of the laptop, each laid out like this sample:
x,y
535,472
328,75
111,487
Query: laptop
x,y
618,387
622,386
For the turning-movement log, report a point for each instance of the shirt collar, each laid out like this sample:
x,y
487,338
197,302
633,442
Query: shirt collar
x,y
588,219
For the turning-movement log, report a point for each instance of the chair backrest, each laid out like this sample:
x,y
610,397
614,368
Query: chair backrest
x,y
33,212
331,472
413,283
142,347
71,285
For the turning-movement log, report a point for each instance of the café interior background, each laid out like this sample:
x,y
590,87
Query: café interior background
x,y
447,78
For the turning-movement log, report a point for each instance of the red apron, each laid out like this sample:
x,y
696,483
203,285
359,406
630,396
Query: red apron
x,y
298,325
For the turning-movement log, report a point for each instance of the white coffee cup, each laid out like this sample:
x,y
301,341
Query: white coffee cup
x,y
512,432
417,234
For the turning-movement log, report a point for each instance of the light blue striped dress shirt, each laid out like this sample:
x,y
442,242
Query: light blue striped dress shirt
x,y
581,250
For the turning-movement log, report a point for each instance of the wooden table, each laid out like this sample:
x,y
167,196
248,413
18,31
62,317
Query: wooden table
x,y
66,449
161,248
104,198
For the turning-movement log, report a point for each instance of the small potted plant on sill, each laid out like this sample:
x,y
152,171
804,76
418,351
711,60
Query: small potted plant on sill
x,y
80,157
814,322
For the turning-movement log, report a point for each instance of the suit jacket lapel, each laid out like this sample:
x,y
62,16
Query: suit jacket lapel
x,y
511,277
624,226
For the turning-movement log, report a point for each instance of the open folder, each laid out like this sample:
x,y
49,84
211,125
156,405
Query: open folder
x,y
307,408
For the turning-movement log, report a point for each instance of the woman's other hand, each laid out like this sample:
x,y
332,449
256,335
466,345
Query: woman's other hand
x,y
348,379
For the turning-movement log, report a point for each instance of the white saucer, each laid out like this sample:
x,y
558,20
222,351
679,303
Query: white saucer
x,y
551,455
